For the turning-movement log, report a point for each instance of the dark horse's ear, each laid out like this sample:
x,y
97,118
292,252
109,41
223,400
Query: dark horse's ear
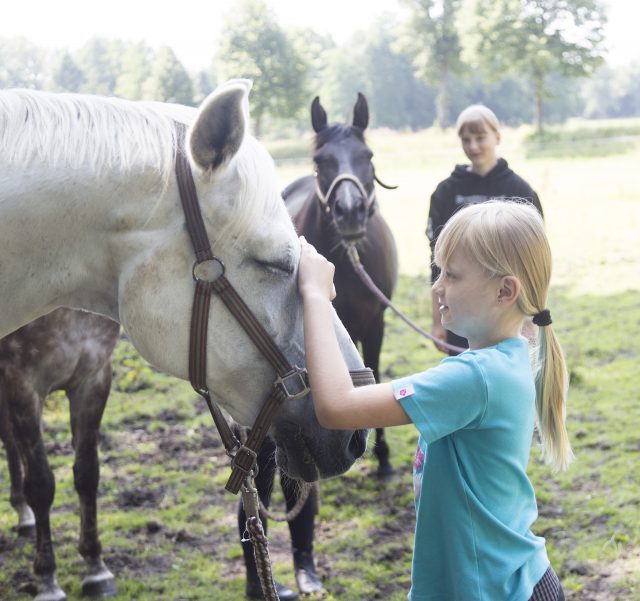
x,y
361,112
318,115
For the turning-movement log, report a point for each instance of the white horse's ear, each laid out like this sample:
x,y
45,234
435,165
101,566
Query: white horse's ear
x,y
220,126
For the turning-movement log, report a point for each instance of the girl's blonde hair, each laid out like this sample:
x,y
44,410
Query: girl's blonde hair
x,y
478,118
508,238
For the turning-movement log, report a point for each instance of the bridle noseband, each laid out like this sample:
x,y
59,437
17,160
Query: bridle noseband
x,y
324,198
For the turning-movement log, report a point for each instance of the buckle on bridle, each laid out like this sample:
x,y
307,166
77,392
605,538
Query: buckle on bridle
x,y
245,460
287,382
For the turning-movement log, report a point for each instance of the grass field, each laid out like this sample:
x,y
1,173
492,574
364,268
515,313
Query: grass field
x,y
168,528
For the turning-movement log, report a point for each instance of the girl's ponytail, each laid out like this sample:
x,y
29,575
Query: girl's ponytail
x,y
552,384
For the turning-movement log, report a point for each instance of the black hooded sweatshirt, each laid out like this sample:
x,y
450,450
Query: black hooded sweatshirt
x,y
463,187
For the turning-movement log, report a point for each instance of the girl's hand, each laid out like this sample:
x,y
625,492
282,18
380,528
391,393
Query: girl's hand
x,y
315,273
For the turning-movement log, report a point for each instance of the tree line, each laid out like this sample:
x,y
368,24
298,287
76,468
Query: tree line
x,y
538,61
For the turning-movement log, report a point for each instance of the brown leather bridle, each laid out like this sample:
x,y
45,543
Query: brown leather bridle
x,y
209,275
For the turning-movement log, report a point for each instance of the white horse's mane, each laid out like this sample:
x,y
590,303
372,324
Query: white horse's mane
x,y
99,132
54,129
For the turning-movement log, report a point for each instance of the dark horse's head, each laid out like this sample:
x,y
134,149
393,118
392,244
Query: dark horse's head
x,y
344,172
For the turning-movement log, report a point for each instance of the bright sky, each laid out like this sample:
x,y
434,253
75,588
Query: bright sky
x,y
191,27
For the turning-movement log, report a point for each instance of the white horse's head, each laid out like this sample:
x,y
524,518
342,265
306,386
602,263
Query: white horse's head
x,y
252,234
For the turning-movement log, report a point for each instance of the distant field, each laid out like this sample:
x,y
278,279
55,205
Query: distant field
x,y
592,205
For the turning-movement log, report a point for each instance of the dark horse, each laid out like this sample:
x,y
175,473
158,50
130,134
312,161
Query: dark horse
x,y
64,350
337,209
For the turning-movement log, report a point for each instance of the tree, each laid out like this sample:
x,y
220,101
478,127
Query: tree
x,y
66,75
431,37
135,69
99,61
169,80
21,64
539,38
254,46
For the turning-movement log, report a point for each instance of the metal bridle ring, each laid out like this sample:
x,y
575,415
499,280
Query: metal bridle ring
x,y
208,270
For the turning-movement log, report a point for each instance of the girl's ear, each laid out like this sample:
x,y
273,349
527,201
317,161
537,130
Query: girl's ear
x,y
509,289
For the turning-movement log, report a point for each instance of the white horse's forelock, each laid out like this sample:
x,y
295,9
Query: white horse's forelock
x,y
258,198
53,129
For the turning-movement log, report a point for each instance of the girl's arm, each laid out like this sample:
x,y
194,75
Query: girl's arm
x,y
338,404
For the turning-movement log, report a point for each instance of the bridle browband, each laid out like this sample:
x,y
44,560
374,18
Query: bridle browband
x,y
209,274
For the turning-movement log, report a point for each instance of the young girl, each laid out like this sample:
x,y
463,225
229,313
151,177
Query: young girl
x,y
485,176
475,412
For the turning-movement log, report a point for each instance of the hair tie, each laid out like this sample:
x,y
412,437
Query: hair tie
x,y
543,318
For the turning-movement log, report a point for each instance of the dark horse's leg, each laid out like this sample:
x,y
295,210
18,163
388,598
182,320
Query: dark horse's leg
x,y
24,406
26,519
86,403
371,346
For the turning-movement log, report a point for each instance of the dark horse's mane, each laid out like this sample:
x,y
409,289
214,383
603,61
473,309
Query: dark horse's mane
x,y
336,131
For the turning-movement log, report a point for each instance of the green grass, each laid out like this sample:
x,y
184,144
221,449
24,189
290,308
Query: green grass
x,y
169,529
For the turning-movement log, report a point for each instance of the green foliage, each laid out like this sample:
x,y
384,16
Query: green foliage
x,y
98,59
131,372
169,81
66,75
432,39
256,47
540,37
21,64
135,68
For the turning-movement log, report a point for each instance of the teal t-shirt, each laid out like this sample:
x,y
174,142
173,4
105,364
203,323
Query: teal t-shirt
x,y
474,502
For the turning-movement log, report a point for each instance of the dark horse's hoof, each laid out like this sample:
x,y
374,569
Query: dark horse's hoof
x,y
103,585
27,531
254,591
384,472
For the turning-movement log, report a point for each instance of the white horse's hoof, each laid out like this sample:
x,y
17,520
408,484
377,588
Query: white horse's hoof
x,y
99,584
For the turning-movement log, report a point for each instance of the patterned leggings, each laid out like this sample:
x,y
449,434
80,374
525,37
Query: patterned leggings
x,y
548,588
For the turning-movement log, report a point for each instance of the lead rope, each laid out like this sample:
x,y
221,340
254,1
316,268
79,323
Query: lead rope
x,y
358,267
294,512
254,532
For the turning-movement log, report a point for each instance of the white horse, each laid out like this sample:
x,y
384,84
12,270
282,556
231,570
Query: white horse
x,y
90,218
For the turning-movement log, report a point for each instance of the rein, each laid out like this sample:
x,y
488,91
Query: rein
x,y
358,267
352,252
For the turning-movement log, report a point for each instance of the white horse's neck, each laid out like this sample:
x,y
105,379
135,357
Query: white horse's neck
x,y
64,237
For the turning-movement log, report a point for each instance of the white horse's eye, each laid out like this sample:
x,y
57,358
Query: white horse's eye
x,y
282,267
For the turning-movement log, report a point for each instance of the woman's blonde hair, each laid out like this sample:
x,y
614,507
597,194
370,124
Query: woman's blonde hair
x,y
478,118
508,238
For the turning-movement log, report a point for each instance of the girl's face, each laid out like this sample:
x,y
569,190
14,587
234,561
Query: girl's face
x,y
480,147
467,299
